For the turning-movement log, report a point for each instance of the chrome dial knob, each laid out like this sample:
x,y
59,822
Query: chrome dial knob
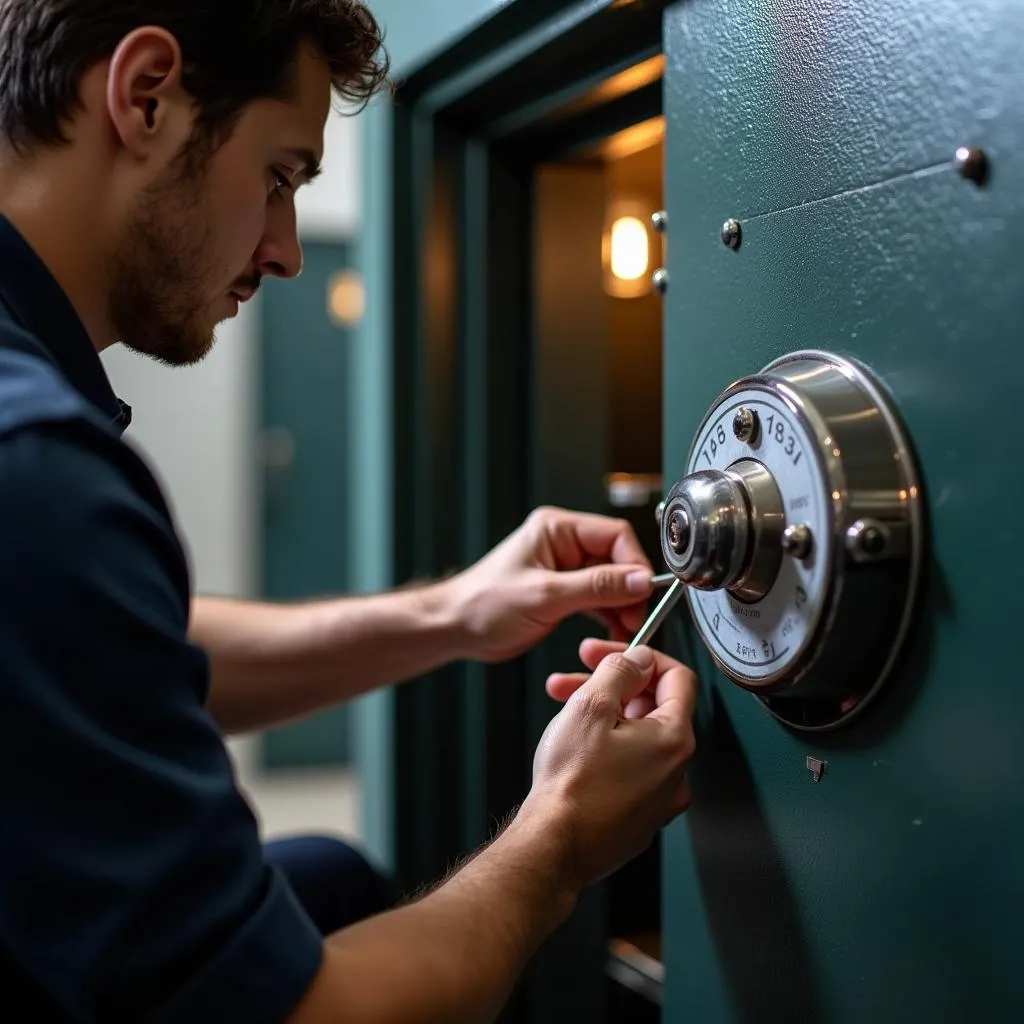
x,y
734,523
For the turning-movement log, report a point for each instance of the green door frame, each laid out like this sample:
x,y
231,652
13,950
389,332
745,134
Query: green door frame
x,y
447,370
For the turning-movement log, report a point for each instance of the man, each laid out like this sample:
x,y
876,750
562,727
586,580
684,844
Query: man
x,y
150,150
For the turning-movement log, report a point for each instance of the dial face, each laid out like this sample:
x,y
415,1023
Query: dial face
x,y
758,644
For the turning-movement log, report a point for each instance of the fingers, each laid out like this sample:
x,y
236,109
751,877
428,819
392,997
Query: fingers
x,y
593,651
675,696
619,679
600,587
561,686
640,707
671,680
597,536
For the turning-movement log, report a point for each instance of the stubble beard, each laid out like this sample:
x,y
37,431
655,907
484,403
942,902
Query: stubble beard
x,y
158,286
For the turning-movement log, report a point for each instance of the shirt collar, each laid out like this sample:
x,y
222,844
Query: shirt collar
x,y
42,308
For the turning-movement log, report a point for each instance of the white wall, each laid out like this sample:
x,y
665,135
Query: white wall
x,y
198,426
329,208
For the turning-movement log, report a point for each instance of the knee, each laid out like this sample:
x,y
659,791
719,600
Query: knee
x,y
334,881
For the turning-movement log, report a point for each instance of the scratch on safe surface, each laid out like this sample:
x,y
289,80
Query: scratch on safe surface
x,y
921,172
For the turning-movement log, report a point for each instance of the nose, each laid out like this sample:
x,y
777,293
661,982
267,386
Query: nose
x,y
279,253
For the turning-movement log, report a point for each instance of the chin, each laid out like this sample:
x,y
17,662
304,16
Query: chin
x,y
198,348
184,349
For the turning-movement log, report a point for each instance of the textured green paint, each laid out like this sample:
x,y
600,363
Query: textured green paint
x,y
893,890
416,31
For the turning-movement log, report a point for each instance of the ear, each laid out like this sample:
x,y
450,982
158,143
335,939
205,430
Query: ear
x,y
148,106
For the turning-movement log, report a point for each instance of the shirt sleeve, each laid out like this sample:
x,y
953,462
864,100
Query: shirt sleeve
x,y
132,879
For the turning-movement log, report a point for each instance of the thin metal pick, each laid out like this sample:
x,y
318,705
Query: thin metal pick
x,y
658,616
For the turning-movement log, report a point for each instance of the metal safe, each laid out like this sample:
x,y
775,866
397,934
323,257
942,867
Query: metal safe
x,y
837,266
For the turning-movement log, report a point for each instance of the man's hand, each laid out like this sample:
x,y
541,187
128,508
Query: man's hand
x,y
610,768
603,784
555,565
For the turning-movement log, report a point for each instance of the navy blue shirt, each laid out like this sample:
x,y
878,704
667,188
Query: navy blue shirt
x,y
132,879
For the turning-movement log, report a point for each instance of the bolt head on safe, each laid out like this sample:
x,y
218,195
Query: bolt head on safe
x,y
732,233
797,540
866,540
746,425
971,164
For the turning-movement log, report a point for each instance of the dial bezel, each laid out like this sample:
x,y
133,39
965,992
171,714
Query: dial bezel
x,y
793,695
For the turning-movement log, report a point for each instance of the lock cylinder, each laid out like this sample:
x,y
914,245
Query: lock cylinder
x,y
723,530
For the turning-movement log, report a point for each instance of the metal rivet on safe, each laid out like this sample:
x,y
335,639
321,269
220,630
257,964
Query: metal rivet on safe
x,y
971,164
660,221
732,233
660,280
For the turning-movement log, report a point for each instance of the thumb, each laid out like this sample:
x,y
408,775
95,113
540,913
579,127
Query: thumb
x,y
621,677
602,586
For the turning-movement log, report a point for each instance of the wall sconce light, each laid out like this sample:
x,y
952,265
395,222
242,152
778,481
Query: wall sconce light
x,y
626,250
346,298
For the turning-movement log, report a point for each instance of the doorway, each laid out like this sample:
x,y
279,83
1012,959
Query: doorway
x,y
526,369
597,383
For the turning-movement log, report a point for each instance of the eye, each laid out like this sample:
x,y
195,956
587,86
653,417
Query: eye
x,y
282,183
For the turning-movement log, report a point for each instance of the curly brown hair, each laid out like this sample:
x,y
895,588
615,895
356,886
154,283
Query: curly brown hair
x,y
234,52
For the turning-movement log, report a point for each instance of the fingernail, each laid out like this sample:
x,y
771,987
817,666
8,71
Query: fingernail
x,y
638,582
642,657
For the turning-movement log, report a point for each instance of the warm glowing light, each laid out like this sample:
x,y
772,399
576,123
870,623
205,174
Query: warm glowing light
x,y
631,140
346,298
630,250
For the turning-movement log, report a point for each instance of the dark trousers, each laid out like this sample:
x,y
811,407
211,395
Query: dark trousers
x,y
333,881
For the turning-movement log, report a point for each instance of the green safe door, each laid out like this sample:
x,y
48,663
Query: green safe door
x,y
892,889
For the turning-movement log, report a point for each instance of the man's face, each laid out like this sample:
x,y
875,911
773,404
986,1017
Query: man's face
x,y
198,239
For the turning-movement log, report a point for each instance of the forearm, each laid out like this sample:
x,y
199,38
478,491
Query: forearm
x,y
273,663
454,955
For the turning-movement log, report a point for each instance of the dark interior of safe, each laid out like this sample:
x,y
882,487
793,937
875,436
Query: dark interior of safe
x,y
528,340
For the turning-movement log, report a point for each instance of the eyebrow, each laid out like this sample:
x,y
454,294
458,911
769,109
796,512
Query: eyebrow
x,y
311,168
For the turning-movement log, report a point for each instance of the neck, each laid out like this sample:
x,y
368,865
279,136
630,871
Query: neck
x,y
58,215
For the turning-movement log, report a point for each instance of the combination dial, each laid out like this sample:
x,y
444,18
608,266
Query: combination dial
x,y
798,531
